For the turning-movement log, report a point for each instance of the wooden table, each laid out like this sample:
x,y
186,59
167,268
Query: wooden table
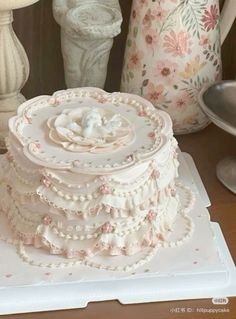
x,y
207,148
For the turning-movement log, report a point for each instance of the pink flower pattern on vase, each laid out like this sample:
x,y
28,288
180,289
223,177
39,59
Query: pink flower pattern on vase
x,y
151,39
168,59
135,58
210,18
159,14
165,70
204,41
178,44
143,3
147,20
135,14
181,101
155,94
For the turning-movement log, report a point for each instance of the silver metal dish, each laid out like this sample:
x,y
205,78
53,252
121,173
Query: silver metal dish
x,y
218,101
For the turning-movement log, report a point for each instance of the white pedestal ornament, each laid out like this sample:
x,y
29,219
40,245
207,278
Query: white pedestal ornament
x,y
87,32
14,65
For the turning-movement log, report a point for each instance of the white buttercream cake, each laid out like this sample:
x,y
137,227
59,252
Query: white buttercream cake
x,y
90,174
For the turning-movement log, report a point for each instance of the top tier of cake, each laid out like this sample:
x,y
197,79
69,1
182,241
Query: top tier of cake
x,y
90,130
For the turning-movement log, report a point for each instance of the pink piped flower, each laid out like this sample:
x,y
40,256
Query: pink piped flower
x,y
38,145
173,192
54,102
28,119
130,212
130,157
142,113
107,228
155,173
102,100
160,237
72,253
151,134
151,215
46,182
82,253
105,189
47,220
175,155
145,243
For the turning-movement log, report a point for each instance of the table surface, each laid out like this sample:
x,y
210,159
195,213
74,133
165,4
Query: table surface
x,y
207,148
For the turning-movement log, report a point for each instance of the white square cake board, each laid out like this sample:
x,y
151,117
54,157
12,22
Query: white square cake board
x,y
201,268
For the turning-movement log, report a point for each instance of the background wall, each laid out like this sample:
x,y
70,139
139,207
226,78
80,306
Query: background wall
x,y
40,35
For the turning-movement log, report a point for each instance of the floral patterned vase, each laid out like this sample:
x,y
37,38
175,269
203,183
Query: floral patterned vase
x,y
172,51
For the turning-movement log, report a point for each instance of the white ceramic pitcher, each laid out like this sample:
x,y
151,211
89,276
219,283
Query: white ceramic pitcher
x,y
173,49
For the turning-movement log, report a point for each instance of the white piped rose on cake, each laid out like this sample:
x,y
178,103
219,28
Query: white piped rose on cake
x,y
88,129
